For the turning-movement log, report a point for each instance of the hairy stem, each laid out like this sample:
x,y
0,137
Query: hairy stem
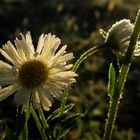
x,y
44,123
121,80
87,54
41,130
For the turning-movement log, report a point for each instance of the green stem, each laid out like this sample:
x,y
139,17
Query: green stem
x,y
42,117
87,54
44,122
62,109
27,116
41,130
121,80
111,118
76,66
63,103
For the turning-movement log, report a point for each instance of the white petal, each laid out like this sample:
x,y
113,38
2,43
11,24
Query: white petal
x,y
29,42
58,68
22,96
20,50
47,40
67,67
137,49
7,91
53,90
26,48
40,44
5,66
45,98
60,85
36,99
12,49
8,81
65,58
7,70
9,58
64,74
60,52
51,43
12,52
7,74
62,80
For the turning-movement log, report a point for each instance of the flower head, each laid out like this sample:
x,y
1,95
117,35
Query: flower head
x,y
137,48
118,36
35,75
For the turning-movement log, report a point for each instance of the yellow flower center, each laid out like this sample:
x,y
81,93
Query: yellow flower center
x,y
33,73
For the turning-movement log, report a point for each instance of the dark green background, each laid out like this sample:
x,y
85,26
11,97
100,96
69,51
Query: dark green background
x,y
77,23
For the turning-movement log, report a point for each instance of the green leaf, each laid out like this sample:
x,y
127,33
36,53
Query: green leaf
x,y
22,131
56,113
9,133
2,132
59,132
61,129
112,80
67,122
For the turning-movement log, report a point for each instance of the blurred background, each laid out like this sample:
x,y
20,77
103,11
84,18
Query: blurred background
x,y
77,23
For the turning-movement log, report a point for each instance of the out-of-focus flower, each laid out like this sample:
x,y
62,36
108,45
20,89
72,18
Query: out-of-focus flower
x,y
35,75
137,49
118,37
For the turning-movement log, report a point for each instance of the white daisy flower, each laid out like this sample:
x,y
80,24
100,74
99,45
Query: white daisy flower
x,y
119,36
137,49
35,75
